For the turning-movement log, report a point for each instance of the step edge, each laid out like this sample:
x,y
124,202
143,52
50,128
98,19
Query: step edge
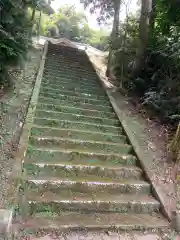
x,y
79,141
115,127
125,156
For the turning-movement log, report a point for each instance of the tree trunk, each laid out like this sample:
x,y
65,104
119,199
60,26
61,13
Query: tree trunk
x,y
152,18
39,25
114,34
33,12
146,7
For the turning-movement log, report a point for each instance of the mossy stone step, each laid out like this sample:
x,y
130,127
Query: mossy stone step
x,y
66,71
54,64
76,134
86,83
71,74
66,80
72,93
74,157
89,184
67,200
72,103
83,169
62,97
73,221
76,88
55,142
89,127
77,117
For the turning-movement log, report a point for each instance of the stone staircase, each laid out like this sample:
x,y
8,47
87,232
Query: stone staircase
x,y
80,171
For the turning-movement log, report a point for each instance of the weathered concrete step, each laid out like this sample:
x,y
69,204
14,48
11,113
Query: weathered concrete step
x,y
76,118
67,54
68,59
98,202
69,221
55,142
83,169
68,71
76,134
74,157
89,127
67,80
68,66
82,81
72,93
78,100
75,110
89,184
58,83
76,88
98,235
72,103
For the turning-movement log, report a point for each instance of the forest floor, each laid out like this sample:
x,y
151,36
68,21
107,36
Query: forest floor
x,y
14,104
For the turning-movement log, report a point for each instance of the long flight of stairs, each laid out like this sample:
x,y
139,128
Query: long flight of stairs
x,y
80,171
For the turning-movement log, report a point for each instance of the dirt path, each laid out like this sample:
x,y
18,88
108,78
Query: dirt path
x,y
14,105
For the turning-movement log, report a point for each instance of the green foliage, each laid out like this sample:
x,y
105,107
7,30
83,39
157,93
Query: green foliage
x,y
15,31
158,84
73,25
104,7
14,28
99,40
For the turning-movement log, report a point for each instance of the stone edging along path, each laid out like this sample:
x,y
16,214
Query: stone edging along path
x,y
146,160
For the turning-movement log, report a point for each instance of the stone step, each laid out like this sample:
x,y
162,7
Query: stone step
x,y
98,202
69,55
83,169
67,80
68,71
58,82
79,89
62,97
74,157
43,184
76,117
72,103
73,93
76,134
69,143
56,64
82,81
72,74
68,66
69,59
88,127
98,235
72,221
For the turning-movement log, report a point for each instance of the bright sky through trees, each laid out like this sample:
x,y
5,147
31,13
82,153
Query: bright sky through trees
x,y
91,18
